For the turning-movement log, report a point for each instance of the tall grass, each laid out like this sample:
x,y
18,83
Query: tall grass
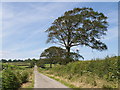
x,y
97,73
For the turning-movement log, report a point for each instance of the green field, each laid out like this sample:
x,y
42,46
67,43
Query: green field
x,y
18,63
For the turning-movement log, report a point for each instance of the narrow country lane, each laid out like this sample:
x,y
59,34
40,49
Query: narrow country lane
x,y
42,81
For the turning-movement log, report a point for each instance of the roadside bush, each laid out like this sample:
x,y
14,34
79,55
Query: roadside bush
x,y
9,80
32,64
12,78
106,69
107,86
24,76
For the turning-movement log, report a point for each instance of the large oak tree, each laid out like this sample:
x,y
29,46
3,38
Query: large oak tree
x,y
80,26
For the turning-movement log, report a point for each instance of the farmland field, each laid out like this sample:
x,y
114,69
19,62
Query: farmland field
x,y
19,63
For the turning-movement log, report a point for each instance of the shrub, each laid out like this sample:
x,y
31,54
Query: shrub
x,y
107,86
32,64
24,76
12,78
9,80
106,69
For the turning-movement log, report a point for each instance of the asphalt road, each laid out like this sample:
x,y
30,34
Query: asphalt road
x,y
42,81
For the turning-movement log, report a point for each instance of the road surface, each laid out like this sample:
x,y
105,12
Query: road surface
x,y
42,81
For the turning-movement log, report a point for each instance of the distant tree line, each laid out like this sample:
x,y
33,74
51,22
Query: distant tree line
x,y
17,60
30,61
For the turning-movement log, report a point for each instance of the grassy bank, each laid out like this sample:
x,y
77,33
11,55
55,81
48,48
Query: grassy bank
x,y
30,82
87,74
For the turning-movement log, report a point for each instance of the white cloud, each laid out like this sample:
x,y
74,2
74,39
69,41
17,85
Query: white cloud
x,y
14,22
13,54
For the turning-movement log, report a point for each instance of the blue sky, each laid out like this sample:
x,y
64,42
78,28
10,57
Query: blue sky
x,y
24,24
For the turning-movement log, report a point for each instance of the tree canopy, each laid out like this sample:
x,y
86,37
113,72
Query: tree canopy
x,y
80,26
53,52
52,55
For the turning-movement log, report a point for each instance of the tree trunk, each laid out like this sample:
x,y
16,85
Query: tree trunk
x,y
68,52
50,65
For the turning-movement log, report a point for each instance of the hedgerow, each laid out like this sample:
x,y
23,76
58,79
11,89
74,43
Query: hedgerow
x,y
13,77
106,69
10,80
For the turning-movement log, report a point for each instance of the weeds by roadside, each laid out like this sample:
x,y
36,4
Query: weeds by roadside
x,y
86,74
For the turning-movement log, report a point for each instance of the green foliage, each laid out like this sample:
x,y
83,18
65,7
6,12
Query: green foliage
x,y
32,64
41,63
9,80
80,26
106,69
57,55
24,76
13,76
53,52
12,67
107,87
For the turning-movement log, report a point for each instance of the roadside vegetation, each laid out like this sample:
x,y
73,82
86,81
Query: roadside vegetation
x,y
30,82
77,27
17,74
86,74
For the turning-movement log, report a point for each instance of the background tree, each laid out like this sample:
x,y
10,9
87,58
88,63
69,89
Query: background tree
x,y
9,60
4,60
52,53
80,26
32,63
41,63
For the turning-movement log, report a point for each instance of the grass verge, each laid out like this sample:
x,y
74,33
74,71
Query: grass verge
x,y
76,81
30,83
65,82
